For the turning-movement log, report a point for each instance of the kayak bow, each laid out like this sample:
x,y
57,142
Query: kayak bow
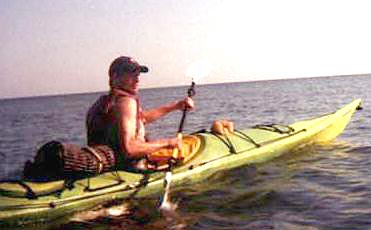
x,y
205,153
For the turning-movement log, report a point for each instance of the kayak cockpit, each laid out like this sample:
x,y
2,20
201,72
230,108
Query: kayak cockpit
x,y
190,147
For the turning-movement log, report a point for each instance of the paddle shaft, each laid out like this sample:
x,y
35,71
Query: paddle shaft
x,y
179,135
182,120
167,180
191,92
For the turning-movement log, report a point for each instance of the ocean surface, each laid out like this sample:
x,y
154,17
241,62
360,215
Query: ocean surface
x,y
317,187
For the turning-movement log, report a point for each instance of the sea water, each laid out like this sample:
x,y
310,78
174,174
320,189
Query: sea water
x,y
318,187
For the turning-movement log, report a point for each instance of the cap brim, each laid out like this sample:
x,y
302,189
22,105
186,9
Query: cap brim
x,y
143,69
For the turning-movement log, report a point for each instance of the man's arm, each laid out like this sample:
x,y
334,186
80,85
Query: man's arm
x,y
134,148
156,113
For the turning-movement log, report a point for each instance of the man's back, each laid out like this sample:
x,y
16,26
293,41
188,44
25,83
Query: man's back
x,y
100,120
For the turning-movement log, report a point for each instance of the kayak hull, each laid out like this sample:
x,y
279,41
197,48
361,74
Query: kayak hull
x,y
250,146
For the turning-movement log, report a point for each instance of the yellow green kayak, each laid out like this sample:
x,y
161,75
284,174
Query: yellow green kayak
x,y
23,202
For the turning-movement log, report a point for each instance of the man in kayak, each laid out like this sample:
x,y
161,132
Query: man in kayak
x,y
115,132
117,119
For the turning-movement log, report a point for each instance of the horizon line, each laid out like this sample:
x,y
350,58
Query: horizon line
x,y
174,86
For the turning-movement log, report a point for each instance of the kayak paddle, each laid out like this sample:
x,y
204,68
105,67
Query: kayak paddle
x,y
165,203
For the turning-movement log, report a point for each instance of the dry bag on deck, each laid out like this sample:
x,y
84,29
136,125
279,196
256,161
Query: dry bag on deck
x,y
56,160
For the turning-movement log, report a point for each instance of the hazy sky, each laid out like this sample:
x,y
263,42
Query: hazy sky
x,y
56,47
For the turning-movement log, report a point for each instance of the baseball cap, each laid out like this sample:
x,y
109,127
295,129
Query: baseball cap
x,y
125,64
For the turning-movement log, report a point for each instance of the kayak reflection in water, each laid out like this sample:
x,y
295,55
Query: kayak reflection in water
x,y
115,132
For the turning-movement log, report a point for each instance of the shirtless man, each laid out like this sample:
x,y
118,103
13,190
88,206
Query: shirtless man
x,y
117,119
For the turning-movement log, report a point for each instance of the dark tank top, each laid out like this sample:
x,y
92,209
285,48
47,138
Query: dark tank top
x,y
102,125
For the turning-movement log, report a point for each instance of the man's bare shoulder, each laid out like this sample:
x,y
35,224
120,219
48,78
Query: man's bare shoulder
x,y
126,104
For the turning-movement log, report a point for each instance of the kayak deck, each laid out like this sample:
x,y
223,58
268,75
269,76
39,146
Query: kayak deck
x,y
214,152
